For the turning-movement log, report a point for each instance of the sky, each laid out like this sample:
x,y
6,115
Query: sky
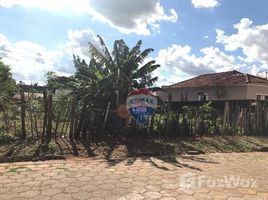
x,y
189,37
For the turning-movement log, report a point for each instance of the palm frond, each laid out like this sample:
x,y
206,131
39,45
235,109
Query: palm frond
x,y
145,69
136,49
143,55
150,82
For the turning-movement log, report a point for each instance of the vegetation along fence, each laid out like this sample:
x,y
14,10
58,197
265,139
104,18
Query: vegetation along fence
x,y
49,116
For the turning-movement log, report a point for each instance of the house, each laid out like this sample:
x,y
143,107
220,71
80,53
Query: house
x,y
224,86
30,91
28,95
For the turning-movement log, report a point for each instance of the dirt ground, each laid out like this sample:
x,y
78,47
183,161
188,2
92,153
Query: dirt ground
x,y
124,147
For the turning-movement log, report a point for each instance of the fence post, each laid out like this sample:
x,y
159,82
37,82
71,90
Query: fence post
x,y
49,118
45,116
23,109
168,115
105,118
225,116
152,124
72,126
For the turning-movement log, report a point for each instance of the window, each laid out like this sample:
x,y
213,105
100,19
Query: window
x,y
219,92
202,96
184,96
262,97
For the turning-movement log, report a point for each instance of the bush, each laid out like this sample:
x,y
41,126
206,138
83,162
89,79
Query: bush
x,y
6,137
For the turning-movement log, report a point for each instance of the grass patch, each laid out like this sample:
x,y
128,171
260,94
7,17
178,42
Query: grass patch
x,y
63,168
18,169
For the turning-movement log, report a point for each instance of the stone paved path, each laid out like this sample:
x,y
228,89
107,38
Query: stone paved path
x,y
212,176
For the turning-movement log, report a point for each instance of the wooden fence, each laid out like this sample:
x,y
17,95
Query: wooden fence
x,y
53,117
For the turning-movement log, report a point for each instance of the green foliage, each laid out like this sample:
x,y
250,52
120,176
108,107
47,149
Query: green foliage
x,y
7,85
48,149
126,66
5,136
202,119
109,76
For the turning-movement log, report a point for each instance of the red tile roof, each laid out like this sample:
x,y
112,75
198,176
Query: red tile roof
x,y
230,78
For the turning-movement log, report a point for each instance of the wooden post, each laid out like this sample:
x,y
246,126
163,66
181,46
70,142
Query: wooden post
x,y
23,109
49,118
225,116
36,126
249,123
105,118
72,127
168,115
72,117
57,123
15,129
81,121
45,116
31,118
152,124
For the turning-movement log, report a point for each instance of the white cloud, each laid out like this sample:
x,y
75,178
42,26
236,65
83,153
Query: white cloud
x,y
127,16
180,58
78,42
252,40
30,61
77,6
130,16
179,63
205,3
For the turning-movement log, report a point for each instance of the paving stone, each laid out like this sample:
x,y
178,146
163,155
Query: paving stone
x,y
71,189
134,196
81,195
186,197
29,194
51,192
97,179
62,197
152,195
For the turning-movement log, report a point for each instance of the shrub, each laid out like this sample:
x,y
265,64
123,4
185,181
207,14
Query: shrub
x,y
6,137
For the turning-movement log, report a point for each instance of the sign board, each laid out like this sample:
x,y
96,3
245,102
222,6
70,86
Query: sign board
x,y
141,104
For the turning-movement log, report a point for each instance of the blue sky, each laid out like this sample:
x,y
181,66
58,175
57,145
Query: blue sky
x,y
190,37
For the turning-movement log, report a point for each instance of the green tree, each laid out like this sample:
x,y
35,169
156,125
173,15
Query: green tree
x,y
109,76
7,85
105,82
126,68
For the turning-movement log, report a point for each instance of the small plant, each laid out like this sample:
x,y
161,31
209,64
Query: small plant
x,y
50,148
5,137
